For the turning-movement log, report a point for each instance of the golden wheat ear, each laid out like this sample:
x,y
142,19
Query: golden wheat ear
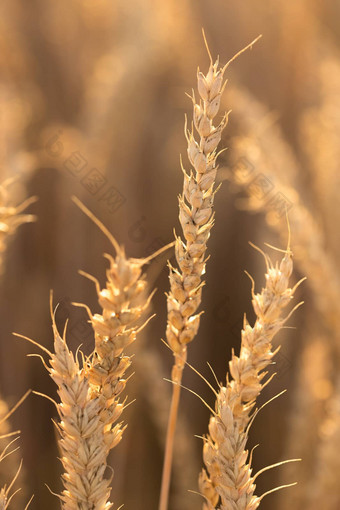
x,y
123,301
197,219
219,482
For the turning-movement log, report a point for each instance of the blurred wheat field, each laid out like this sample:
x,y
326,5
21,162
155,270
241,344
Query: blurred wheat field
x,y
92,102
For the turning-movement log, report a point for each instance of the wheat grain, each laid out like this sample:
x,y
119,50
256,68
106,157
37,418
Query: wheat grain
x,y
227,482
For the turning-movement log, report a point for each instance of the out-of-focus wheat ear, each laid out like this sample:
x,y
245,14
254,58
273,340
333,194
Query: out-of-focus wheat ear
x,y
9,453
227,481
310,404
267,150
5,496
323,485
196,218
11,217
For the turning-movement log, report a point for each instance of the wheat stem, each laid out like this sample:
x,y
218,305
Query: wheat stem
x,y
170,436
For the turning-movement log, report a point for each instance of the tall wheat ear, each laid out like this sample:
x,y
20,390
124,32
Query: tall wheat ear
x,y
196,219
8,452
227,482
89,391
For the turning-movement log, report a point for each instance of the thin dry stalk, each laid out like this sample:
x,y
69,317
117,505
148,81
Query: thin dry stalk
x,y
227,483
196,219
149,366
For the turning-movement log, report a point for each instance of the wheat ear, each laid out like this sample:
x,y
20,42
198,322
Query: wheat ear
x,y
11,217
196,219
123,301
82,440
7,452
323,486
226,483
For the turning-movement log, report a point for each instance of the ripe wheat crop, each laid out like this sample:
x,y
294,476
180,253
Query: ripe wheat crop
x,y
129,322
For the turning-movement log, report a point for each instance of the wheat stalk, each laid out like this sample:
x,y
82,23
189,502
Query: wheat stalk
x,y
196,219
227,482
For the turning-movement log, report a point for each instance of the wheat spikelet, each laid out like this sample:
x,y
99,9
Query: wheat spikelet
x,y
11,218
227,482
195,213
